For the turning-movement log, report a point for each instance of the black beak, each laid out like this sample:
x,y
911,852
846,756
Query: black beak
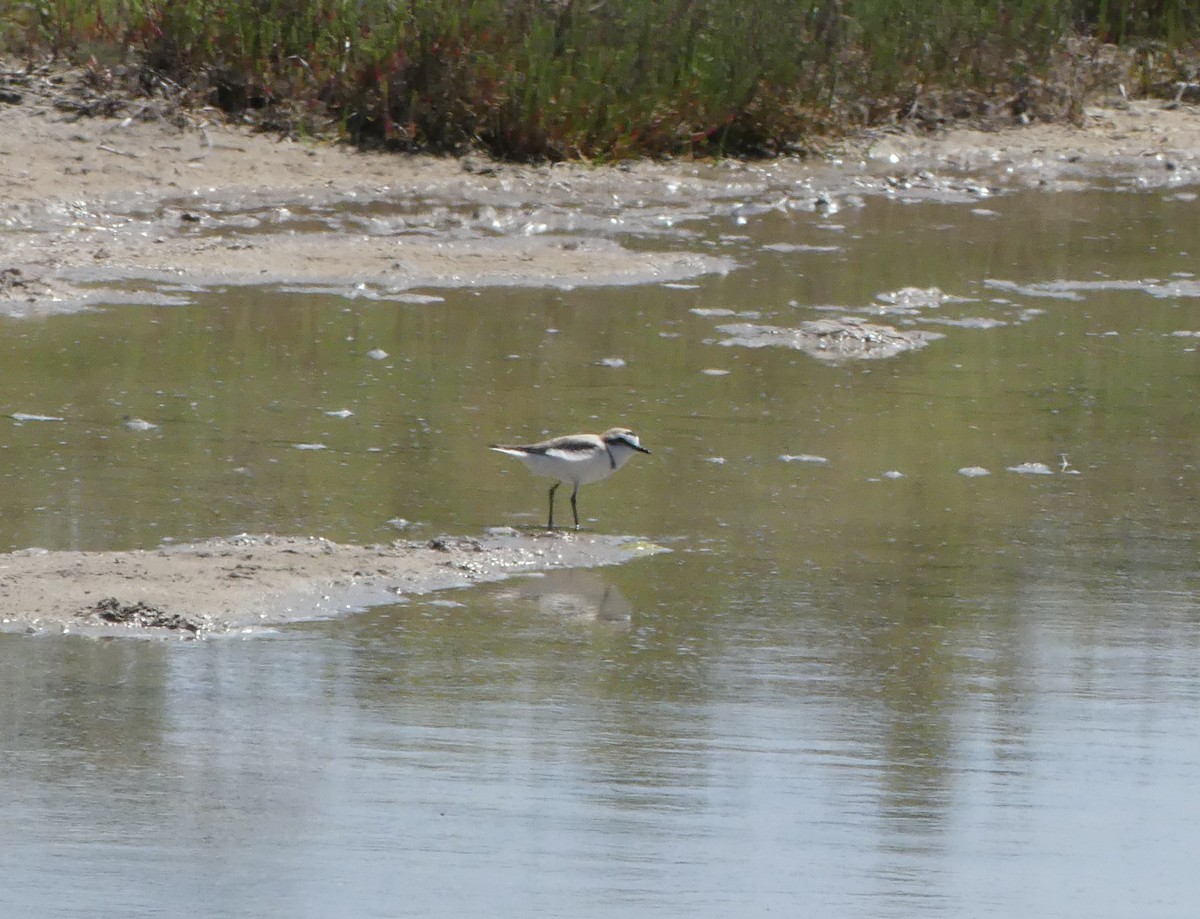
x,y
641,449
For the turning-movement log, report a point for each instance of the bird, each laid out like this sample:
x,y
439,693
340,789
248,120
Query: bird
x,y
576,459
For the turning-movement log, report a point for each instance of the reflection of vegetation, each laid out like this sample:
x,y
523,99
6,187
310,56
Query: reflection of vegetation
x,y
565,78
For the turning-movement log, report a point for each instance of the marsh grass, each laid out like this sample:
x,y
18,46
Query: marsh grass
x,y
589,78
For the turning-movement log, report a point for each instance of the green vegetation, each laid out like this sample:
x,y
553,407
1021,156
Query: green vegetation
x,y
599,78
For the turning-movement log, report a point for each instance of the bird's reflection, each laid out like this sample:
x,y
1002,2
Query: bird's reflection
x,y
578,594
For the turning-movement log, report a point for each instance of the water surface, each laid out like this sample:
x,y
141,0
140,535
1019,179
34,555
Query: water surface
x,y
868,686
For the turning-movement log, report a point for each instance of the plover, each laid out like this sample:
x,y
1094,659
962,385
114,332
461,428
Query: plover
x,y
576,459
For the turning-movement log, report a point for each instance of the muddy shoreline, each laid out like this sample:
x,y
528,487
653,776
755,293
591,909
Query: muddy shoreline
x,y
153,210
246,583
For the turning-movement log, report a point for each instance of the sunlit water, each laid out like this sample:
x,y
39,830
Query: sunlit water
x,y
864,686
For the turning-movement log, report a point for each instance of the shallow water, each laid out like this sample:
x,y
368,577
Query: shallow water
x,y
863,684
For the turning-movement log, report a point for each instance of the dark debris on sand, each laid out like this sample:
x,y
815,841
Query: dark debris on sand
x,y
113,611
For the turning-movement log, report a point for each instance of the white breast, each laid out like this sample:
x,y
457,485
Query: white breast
x,y
575,467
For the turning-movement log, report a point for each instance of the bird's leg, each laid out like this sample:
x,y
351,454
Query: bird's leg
x,y
550,522
574,509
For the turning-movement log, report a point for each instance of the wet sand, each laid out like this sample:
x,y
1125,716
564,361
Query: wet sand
x,y
249,582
